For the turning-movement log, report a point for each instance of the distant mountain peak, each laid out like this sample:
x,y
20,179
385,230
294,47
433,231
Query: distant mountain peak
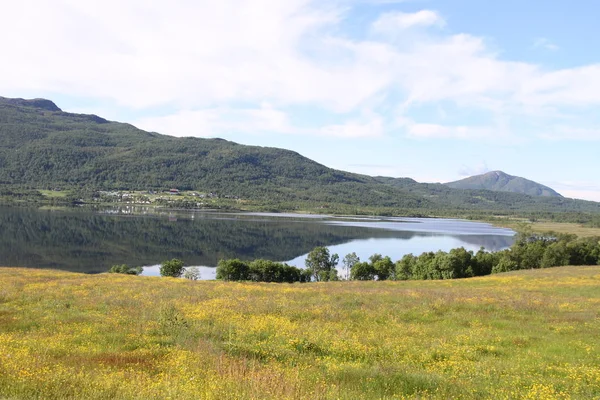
x,y
497,173
43,104
500,181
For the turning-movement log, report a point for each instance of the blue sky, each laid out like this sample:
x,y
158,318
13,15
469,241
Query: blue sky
x,y
435,90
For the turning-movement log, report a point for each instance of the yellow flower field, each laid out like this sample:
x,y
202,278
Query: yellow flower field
x,y
527,334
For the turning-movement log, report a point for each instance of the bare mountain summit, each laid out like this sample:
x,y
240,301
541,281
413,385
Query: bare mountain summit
x,y
501,182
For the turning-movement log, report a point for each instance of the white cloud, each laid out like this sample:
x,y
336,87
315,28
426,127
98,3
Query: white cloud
x,y
394,21
205,55
217,122
545,43
355,129
220,122
572,134
435,131
471,170
190,53
382,1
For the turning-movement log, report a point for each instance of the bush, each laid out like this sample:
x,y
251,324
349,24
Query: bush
x,y
233,270
173,268
505,265
192,273
125,269
259,271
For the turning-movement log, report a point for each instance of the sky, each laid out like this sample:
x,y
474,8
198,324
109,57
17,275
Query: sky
x,y
434,90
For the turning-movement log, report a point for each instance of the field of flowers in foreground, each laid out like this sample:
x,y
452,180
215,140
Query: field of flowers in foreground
x,y
529,334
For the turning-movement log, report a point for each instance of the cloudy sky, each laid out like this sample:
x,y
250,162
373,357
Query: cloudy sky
x,y
435,90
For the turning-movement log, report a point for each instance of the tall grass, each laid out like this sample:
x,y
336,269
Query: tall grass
x,y
528,334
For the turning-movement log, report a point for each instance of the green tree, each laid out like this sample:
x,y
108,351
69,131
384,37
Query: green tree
x,y
349,261
584,251
505,264
405,267
422,266
233,270
532,254
484,261
173,268
458,264
320,263
384,268
266,271
362,271
557,254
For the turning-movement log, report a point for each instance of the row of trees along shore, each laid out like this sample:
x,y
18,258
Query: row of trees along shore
x,y
528,251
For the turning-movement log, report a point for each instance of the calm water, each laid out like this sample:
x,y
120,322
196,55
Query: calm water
x,y
93,241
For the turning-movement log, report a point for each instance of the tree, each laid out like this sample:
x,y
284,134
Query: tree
x,y
484,261
584,251
173,268
233,270
457,264
333,275
532,254
384,268
362,271
557,254
422,266
349,261
320,263
192,273
505,264
405,267
266,271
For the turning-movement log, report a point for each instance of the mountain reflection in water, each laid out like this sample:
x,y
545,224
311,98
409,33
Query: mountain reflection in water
x,y
93,241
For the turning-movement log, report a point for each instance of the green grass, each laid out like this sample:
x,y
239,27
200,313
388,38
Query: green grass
x,y
547,226
527,334
54,193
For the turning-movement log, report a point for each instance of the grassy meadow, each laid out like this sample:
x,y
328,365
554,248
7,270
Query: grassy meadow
x,y
580,230
531,334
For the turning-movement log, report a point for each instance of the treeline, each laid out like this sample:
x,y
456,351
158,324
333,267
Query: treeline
x,y
529,251
260,271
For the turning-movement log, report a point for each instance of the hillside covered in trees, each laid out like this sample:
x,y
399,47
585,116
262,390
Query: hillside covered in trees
x,y
42,147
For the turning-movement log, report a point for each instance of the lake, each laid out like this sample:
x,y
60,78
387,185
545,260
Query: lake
x,y
91,241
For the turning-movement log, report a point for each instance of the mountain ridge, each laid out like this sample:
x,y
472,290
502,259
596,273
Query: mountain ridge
x,y
43,147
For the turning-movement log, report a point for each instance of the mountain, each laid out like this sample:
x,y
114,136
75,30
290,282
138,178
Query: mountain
x,y
502,182
43,147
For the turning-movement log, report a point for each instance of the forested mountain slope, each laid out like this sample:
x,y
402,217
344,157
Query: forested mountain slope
x,y
42,147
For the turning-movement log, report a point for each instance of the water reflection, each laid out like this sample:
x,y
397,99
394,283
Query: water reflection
x,y
92,241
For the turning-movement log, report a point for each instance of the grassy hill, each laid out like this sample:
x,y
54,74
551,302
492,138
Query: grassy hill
x,y
527,334
502,182
42,147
